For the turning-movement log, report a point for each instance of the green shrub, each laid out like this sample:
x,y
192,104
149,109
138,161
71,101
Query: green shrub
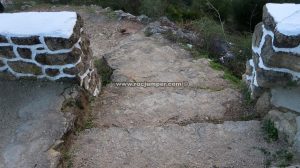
x,y
248,101
207,28
203,9
232,78
227,74
284,158
153,8
270,130
182,10
241,43
104,71
241,48
174,12
216,66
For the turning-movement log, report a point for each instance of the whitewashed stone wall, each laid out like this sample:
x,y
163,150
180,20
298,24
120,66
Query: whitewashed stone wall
x,y
276,52
273,73
60,52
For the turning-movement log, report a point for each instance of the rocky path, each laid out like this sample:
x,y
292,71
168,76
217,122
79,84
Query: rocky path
x,y
133,127
163,127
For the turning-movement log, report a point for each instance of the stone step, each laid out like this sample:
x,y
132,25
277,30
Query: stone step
x,y
287,98
232,144
133,107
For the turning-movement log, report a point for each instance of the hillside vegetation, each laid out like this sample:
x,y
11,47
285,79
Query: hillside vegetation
x,y
243,13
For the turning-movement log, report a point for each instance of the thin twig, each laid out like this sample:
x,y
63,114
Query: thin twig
x,y
251,17
219,16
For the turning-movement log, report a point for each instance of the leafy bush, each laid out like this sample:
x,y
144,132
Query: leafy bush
x,y
153,8
241,48
207,27
284,158
241,43
104,71
270,130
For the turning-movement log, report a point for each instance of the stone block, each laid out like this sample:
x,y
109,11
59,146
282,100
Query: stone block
x,y
25,67
263,104
33,40
257,91
3,39
249,68
92,82
269,78
59,59
59,43
52,72
257,35
285,124
7,52
284,41
286,98
268,19
24,52
80,69
274,59
281,22
6,75
85,44
2,64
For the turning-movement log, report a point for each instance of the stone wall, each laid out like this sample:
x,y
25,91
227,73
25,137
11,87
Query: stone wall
x,y
48,55
273,73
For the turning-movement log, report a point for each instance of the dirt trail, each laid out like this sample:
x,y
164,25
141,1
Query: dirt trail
x,y
162,127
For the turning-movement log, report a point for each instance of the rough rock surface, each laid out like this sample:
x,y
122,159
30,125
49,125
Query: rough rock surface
x,y
285,123
32,124
274,59
208,97
267,78
232,144
263,104
169,29
129,17
286,98
160,127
